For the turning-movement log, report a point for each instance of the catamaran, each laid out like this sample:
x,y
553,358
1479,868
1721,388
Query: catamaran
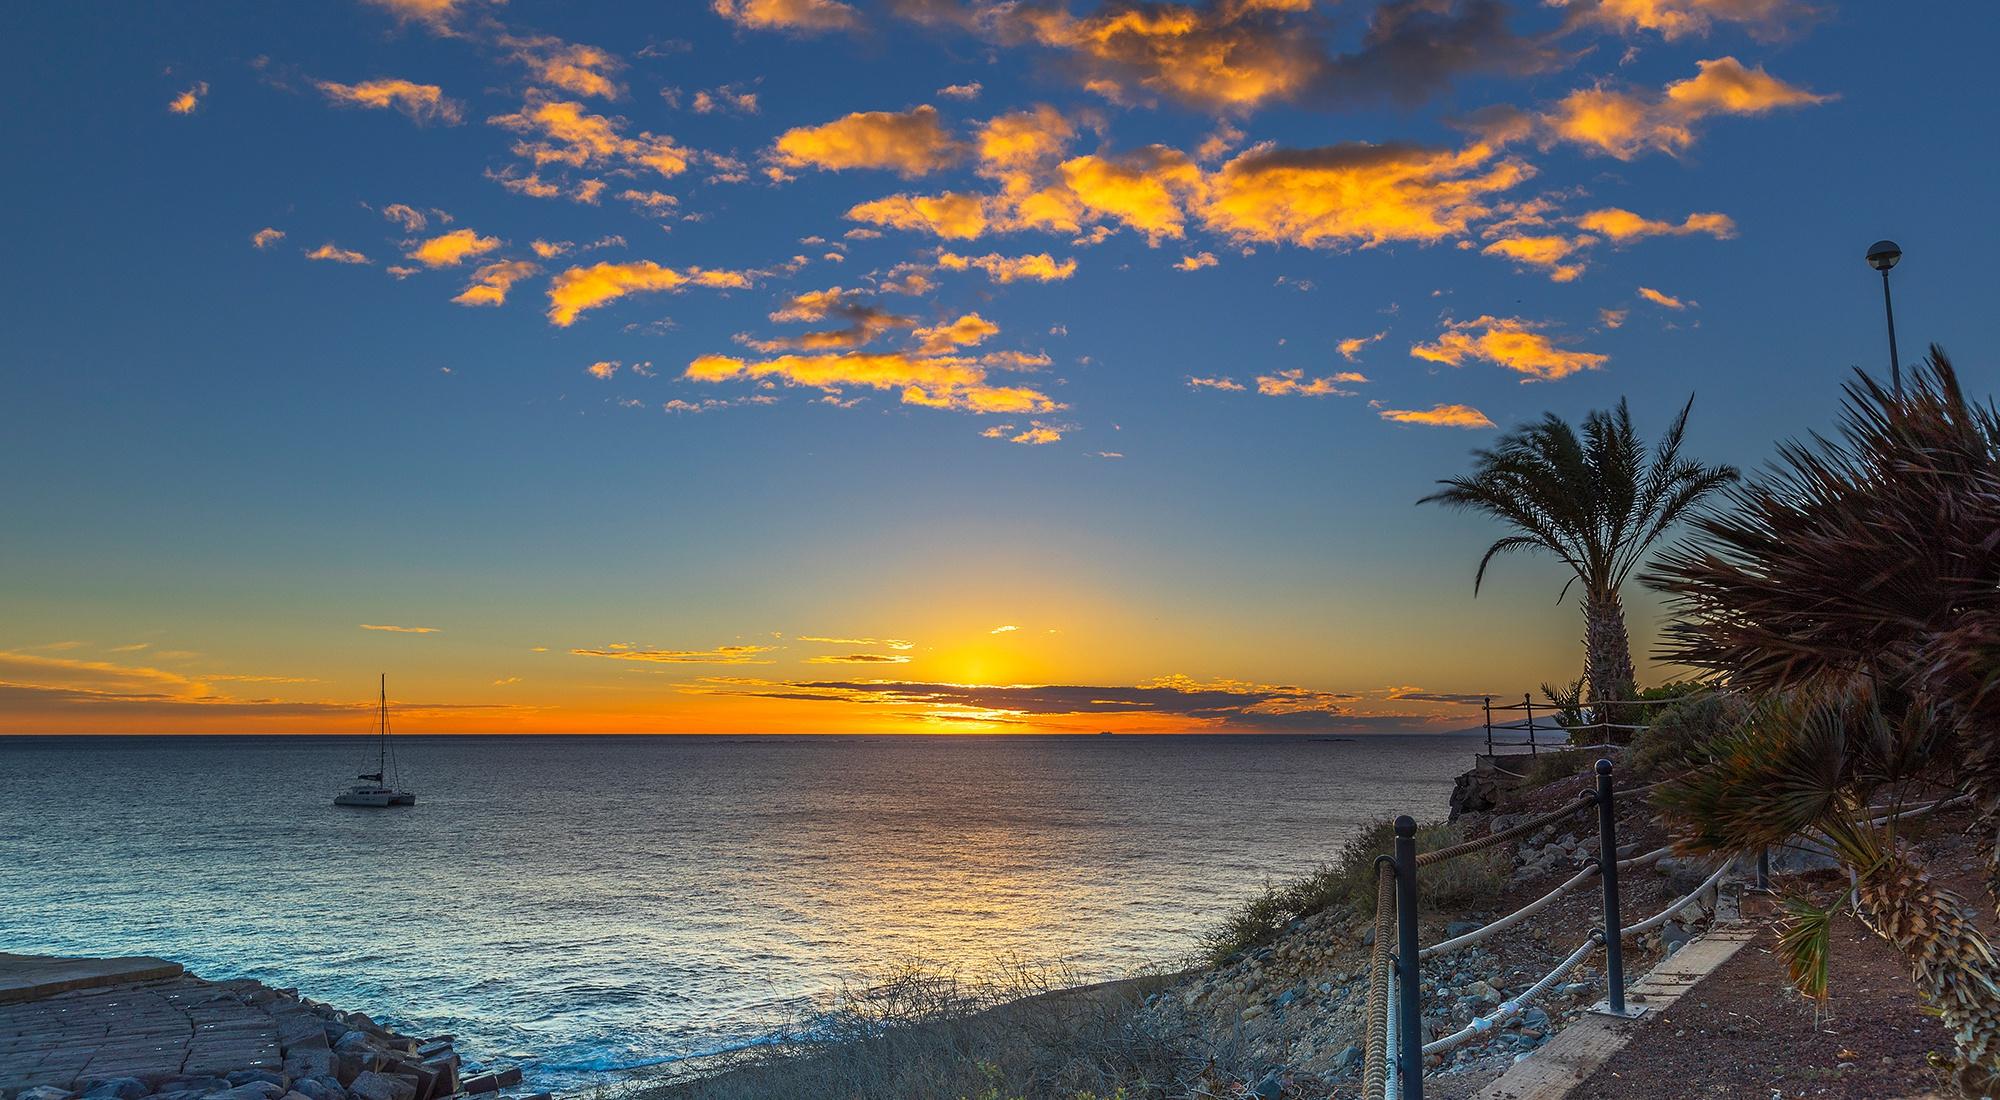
x,y
378,788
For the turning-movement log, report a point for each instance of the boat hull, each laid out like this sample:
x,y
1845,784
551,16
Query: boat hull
x,y
375,800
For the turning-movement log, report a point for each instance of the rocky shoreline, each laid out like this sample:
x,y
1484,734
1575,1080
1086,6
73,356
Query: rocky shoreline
x,y
184,1038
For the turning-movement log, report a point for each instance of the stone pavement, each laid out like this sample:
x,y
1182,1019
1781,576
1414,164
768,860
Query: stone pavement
x,y
165,1027
26,977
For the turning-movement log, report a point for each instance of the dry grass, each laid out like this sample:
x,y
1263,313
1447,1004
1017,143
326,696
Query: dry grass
x,y
918,1034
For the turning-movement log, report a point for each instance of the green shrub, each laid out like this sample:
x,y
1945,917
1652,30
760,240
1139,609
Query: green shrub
x,y
1675,740
1350,880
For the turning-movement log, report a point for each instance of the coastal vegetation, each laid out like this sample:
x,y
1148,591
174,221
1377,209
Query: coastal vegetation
x,y
1855,590
1594,500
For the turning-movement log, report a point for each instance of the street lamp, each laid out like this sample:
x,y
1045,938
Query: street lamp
x,y
1882,255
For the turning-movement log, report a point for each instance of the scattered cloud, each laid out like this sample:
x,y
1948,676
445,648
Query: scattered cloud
x,y
333,253
1007,629
1357,195
266,237
910,143
559,131
578,289
888,643
576,69
1230,385
1666,301
930,381
1294,383
968,330
860,659
1196,262
453,248
1440,416
421,102
400,629
1676,19
1510,342
720,655
1624,124
1553,253
1039,267
411,219
967,91
186,102
490,283
799,16
1350,348
1620,226
602,369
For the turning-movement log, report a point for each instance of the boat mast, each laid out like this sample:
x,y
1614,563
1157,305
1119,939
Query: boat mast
x,y
382,747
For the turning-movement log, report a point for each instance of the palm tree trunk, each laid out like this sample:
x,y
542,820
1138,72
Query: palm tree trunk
x,y
1950,961
1607,654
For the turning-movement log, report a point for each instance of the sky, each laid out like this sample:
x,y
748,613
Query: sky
x,y
920,366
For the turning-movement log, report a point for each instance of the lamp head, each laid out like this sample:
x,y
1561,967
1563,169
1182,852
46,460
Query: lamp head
x,y
1882,255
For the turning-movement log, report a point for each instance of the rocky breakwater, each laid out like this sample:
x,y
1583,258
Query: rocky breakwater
x,y
184,1038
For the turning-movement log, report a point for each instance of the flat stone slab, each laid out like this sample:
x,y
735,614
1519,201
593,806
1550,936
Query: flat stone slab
x,y
149,1028
31,977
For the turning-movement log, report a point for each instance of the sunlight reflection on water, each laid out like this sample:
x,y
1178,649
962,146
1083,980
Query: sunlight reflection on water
x,y
592,903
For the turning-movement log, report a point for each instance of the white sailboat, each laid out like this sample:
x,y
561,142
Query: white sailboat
x,y
377,789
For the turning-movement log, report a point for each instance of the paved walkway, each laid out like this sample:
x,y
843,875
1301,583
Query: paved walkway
x,y
63,1021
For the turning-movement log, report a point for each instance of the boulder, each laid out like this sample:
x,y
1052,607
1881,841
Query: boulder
x,y
115,1088
484,1082
1476,791
321,1087
44,1092
308,1062
1800,856
381,1086
247,1076
193,1083
354,1041
251,1090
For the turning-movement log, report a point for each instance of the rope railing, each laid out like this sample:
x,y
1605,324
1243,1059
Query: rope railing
x,y
1393,1050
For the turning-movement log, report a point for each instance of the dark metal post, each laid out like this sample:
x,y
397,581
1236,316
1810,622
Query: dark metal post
x,y
1607,866
1410,1005
1489,725
1895,365
1528,703
1764,870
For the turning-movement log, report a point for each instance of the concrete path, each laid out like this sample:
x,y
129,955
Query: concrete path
x,y
27,977
170,1025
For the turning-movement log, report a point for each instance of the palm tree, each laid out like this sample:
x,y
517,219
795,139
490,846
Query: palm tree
x,y
1594,501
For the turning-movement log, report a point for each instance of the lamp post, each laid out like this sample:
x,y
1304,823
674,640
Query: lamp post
x,y
1882,255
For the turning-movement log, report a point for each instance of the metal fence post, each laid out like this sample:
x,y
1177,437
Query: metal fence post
x,y
1410,1004
1764,870
1528,704
1489,725
1607,864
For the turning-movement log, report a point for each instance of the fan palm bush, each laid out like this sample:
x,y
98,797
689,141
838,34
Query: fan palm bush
x,y
1857,588
1596,501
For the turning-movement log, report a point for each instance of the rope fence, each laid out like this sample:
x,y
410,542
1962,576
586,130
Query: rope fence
x,y
1394,1049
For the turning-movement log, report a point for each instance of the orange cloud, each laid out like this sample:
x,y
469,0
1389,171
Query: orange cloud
x,y
720,655
1229,385
1143,189
437,14
574,68
557,131
1350,348
490,283
1196,262
186,102
602,369
1294,383
952,215
421,102
1550,253
333,253
453,248
584,288
266,237
1508,342
1666,301
866,321
1623,225
400,629
939,382
804,16
910,143
968,330
1675,19
1023,139
1440,416
1038,267
1624,124
1356,194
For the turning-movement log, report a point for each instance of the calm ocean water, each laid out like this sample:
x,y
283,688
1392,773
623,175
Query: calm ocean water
x,y
593,903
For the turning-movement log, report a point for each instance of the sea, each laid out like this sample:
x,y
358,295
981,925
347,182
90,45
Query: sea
x,y
597,908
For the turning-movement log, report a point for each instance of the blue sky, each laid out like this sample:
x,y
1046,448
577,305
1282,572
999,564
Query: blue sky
x,y
229,457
